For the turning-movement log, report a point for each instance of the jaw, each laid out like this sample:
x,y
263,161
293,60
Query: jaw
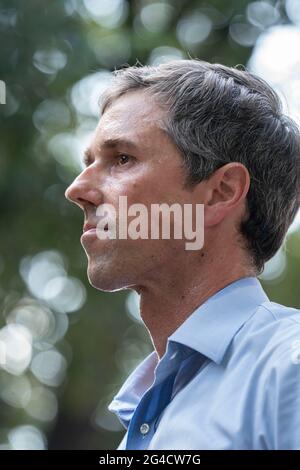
x,y
130,264
109,276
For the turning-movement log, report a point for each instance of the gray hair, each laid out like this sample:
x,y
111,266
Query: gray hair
x,y
216,115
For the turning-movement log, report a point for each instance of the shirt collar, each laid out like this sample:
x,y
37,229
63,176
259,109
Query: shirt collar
x,y
209,330
211,327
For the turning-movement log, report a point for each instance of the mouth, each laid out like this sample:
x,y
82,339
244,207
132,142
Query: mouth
x,y
90,230
87,227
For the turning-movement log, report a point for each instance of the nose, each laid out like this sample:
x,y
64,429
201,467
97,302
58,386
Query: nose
x,y
83,191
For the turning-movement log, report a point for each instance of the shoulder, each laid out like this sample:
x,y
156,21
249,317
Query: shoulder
x,y
272,340
268,345
282,332
272,328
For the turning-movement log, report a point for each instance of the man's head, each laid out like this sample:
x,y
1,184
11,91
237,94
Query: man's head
x,y
203,133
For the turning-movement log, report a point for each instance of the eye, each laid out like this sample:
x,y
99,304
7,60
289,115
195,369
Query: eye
x,y
122,159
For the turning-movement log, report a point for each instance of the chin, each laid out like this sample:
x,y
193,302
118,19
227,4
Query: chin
x,y
106,281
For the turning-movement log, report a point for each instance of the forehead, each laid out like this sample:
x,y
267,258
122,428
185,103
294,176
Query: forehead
x,y
134,116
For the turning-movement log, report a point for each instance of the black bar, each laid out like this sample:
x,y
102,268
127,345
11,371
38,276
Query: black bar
x,y
132,459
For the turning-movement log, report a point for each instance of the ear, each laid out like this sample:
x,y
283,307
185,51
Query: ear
x,y
225,192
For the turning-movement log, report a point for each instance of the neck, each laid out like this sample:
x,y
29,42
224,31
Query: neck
x,y
169,299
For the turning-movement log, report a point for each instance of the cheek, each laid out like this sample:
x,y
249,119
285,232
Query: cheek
x,y
139,188
155,184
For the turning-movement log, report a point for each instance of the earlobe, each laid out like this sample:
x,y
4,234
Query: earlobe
x,y
213,214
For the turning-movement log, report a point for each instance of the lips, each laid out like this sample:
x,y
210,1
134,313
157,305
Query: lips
x,y
89,226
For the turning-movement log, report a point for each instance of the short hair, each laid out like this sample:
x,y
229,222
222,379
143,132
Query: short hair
x,y
216,115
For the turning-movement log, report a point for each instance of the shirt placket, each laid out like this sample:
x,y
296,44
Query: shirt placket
x,y
142,425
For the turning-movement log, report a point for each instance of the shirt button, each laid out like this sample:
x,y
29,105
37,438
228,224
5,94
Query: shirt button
x,y
144,428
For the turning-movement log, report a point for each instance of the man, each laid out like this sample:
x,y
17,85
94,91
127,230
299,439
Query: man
x,y
224,373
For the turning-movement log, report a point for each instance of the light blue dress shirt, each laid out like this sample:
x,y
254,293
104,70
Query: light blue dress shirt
x,y
229,379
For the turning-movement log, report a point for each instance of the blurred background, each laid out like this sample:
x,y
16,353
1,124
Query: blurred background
x,y
68,347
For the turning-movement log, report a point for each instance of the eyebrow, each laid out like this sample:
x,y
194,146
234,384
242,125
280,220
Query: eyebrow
x,y
109,144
